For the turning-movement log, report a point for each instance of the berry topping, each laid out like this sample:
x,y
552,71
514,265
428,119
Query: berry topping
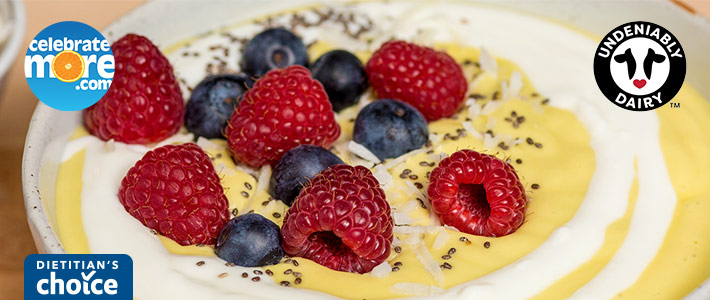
x,y
284,109
478,194
212,102
296,168
390,128
343,77
341,220
250,240
274,48
427,79
144,103
175,190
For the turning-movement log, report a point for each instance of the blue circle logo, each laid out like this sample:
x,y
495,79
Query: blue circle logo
x,y
69,66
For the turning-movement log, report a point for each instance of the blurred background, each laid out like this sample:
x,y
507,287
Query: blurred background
x,y
17,103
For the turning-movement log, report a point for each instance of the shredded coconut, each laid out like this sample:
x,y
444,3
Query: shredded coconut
x,y
489,142
512,88
434,138
399,160
383,177
222,169
264,176
429,263
381,270
441,239
363,152
487,62
472,131
206,143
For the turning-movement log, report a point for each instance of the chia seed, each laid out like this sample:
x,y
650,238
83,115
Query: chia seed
x,y
487,244
535,186
248,185
200,263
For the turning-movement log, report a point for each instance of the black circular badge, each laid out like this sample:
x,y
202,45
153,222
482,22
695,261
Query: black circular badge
x,y
639,66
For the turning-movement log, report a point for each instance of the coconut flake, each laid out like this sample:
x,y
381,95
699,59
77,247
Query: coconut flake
x,y
474,109
401,218
429,263
264,176
176,139
451,228
381,270
489,141
487,62
491,106
206,143
436,158
221,168
408,206
414,229
415,289
512,88
363,152
441,239
472,131
434,138
399,160
251,171
383,177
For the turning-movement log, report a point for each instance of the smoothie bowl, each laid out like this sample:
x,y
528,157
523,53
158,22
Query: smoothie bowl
x,y
456,150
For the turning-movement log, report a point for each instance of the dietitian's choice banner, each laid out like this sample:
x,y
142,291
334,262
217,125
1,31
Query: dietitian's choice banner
x,y
78,276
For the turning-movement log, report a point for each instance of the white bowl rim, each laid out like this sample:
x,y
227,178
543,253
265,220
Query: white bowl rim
x,y
38,219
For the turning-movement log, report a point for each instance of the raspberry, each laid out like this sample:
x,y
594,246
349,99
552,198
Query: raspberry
x,y
144,103
478,194
175,190
429,80
284,109
341,220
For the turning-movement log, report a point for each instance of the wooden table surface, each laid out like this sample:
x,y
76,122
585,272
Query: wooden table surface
x,y
16,106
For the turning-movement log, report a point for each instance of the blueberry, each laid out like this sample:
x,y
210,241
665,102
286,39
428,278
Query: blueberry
x,y
212,102
296,168
250,240
390,128
274,48
343,77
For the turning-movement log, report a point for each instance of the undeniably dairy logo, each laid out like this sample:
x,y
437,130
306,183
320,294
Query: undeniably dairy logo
x,y
639,66
69,66
78,276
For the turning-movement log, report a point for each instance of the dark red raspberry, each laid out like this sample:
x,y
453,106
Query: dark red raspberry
x,y
478,194
175,190
144,103
341,220
284,109
429,80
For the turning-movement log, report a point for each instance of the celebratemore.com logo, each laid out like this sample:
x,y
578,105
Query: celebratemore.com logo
x,y
69,66
78,276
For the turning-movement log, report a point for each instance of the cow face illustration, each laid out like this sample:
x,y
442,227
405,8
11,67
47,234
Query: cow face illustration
x,y
639,66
